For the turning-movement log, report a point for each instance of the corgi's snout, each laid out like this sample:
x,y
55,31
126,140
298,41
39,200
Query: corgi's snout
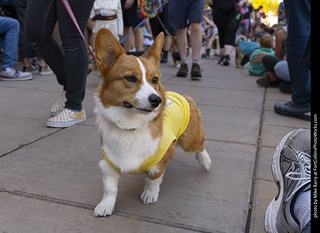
x,y
154,100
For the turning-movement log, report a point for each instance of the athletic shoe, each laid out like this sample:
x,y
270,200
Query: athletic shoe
x,y
31,69
226,60
291,172
195,71
66,118
59,105
293,110
183,71
220,62
12,74
45,70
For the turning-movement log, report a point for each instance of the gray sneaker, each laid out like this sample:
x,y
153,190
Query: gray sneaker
x,y
12,74
291,172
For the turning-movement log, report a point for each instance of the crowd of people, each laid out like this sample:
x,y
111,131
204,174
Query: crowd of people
x,y
217,25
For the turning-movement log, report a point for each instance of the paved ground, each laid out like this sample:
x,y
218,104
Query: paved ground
x,y
50,180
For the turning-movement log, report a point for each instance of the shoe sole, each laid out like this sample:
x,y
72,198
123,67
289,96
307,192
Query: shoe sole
x,y
273,208
65,124
15,79
275,204
196,75
183,75
301,116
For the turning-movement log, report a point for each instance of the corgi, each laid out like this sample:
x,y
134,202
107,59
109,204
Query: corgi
x,y
239,53
133,113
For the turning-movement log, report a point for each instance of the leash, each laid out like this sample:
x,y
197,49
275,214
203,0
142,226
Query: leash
x,y
142,22
73,18
70,12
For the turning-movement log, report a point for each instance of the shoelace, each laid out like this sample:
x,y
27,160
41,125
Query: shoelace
x,y
302,175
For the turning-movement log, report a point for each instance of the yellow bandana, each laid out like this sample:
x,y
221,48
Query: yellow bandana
x,y
175,121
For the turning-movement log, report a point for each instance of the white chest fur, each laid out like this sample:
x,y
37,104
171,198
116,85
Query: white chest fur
x,y
126,149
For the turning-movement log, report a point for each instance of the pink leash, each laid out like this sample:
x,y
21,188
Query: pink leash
x,y
69,10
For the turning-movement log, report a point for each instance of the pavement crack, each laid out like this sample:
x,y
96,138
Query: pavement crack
x,y
255,166
117,213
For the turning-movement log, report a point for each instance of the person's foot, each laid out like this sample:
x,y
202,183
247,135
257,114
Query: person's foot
x,y
293,110
31,69
66,118
12,74
183,71
226,60
291,172
59,105
164,58
45,70
220,62
195,71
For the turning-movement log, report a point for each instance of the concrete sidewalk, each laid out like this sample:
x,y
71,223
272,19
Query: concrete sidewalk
x,y
50,180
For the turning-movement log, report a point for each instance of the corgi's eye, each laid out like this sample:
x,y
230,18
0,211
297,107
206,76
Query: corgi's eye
x,y
155,80
131,78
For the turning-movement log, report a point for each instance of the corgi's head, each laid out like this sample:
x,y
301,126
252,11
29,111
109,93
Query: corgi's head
x,y
130,94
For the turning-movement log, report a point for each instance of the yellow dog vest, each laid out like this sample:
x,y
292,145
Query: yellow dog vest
x,y
175,120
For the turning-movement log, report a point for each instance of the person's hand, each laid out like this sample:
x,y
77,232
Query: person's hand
x,y
240,4
258,58
128,4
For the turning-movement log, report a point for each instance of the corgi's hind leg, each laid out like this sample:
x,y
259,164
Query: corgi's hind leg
x,y
203,159
192,140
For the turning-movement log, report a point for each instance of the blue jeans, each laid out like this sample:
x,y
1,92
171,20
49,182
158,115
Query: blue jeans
x,y
9,38
298,14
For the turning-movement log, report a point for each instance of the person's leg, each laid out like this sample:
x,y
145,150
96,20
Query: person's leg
x,y
10,29
40,20
220,19
182,43
138,39
196,38
230,36
298,16
76,55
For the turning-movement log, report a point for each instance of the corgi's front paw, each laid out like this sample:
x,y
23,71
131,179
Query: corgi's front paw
x,y
103,209
149,196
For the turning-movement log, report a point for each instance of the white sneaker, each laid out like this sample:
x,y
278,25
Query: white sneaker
x,y
66,118
291,169
12,74
59,105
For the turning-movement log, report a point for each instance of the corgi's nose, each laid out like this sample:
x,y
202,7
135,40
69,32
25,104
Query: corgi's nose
x,y
154,100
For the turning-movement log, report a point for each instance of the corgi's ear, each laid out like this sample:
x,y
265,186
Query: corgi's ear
x,y
108,49
154,52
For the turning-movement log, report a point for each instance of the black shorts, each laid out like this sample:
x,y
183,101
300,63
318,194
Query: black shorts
x,y
130,16
156,26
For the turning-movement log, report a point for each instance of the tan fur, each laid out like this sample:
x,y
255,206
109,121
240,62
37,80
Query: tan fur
x,y
239,53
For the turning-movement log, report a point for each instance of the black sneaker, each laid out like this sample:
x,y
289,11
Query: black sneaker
x,y
220,62
195,71
164,58
293,110
226,60
183,71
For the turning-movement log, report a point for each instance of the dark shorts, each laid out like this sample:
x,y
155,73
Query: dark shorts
x,y
130,16
182,13
156,26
